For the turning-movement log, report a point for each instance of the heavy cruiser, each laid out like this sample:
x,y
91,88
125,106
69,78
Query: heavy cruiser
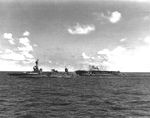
x,y
35,73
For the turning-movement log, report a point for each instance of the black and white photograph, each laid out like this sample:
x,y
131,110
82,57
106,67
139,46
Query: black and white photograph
x,y
74,58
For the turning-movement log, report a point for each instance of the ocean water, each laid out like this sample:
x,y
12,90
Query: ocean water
x,y
81,97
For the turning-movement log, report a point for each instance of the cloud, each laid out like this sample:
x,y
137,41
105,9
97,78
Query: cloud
x,y
26,47
81,29
18,56
13,66
26,44
24,41
147,39
93,60
112,17
26,33
11,55
9,37
123,39
50,61
27,55
85,56
11,42
35,45
129,59
115,17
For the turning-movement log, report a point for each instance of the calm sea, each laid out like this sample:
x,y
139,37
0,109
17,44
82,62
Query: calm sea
x,y
81,97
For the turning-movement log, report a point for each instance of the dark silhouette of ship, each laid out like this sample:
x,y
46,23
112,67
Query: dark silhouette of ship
x,y
35,73
95,71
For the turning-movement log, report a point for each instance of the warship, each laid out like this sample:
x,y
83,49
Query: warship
x,y
38,73
95,71
35,73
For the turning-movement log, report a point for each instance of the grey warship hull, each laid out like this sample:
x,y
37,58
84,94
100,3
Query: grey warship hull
x,y
28,74
96,73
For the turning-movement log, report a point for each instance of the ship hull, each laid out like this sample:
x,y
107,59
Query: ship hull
x,y
28,74
43,75
96,73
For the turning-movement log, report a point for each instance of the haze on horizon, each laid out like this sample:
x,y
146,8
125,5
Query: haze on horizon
x,y
111,34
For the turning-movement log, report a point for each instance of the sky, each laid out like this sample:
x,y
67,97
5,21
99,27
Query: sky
x,y
110,34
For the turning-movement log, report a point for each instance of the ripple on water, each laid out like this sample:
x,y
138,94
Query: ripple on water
x,y
74,98
27,116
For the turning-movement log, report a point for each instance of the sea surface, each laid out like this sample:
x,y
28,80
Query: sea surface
x,y
126,96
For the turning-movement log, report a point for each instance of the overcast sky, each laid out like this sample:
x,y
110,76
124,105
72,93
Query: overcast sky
x,y
111,34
